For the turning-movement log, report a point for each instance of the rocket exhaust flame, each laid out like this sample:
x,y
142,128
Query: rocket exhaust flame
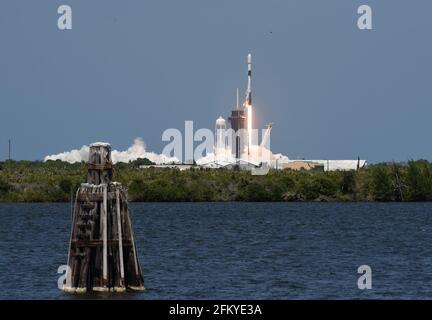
x,y
249,126
248,102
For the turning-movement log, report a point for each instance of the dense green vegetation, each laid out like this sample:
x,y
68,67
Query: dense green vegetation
x,y
54,181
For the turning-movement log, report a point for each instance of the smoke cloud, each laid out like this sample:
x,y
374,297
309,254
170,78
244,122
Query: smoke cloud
x,y
257,154
135,151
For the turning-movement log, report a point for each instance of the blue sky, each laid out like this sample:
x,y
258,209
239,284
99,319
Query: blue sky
x,y
135,68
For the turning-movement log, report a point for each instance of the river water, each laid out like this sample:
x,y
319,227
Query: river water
x,y
236,250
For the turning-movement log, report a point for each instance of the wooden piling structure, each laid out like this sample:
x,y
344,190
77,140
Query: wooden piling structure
x,y
102,252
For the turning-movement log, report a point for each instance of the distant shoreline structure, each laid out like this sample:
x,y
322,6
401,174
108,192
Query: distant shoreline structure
x,y
54,181
296,165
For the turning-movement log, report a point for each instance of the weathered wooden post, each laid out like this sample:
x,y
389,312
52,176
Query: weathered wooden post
x,y
102,252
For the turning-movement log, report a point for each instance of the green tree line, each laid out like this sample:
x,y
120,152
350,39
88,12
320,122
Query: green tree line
x,y
55,181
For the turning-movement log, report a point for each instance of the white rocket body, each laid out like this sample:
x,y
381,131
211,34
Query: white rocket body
x,y
249,85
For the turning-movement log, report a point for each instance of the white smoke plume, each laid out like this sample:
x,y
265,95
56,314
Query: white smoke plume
x,y
257,154
136,151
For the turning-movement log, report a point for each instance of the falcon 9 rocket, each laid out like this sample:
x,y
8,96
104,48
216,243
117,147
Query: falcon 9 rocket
x,y
248,102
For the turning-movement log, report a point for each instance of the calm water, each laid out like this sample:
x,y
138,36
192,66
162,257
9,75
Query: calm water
x,y
236,250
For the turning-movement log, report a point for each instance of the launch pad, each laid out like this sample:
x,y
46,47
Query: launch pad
x,y
236,145
244,152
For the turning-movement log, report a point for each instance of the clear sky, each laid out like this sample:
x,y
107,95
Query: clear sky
x,y
135,68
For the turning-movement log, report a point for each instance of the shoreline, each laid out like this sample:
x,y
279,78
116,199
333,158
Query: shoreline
x,y
55,181
203,202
